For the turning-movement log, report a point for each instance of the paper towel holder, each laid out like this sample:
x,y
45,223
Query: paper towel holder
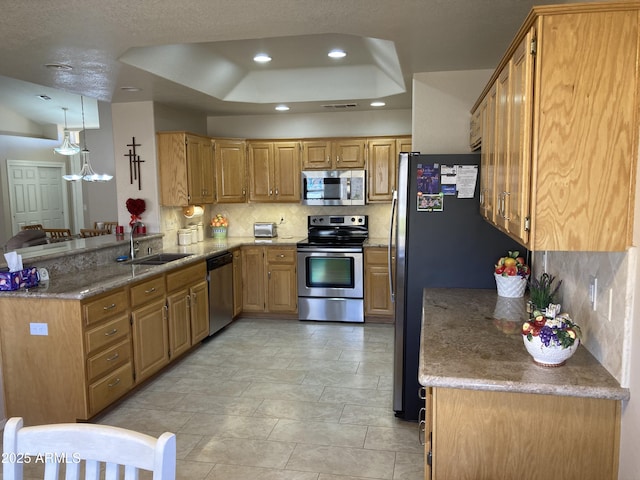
x,y
191,211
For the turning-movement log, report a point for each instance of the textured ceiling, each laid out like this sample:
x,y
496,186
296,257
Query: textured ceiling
x,y
95,37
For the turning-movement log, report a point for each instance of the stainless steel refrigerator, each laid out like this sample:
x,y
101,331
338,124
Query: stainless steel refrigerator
x,y
439,241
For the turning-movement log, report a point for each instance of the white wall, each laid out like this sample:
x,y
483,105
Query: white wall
x,y
291,125
442,104
100,198
136,120
630,434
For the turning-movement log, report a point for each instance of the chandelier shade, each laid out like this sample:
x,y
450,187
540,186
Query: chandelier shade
x,y
86,172
67,148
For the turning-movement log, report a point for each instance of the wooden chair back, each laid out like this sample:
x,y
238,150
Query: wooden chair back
x,y
88,447
58,232
35,226
109,226
92,232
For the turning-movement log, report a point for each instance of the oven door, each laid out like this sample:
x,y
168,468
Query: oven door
x,y
330,272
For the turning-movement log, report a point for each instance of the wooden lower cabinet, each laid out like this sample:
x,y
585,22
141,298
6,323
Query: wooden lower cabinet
x,y
150,338
188,308
269,279
199,298
377,294
488,435
67,360
179,323
282,280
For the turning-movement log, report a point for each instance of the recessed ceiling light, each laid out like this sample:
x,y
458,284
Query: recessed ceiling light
x,y
337,53
58,66
282,108
130,89
377,104
262,58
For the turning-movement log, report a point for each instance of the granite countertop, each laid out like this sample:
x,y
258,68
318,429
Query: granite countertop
x,y
471,340
105,277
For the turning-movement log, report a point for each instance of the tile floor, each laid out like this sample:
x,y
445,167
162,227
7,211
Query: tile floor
x,y
281,400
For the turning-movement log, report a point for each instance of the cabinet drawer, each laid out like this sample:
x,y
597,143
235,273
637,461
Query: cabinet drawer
x,y
186,276
376,256
107,334
108,389
110,359
105,306
281,255
147,291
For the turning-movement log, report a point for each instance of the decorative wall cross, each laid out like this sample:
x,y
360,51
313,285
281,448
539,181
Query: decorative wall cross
x,y
134,163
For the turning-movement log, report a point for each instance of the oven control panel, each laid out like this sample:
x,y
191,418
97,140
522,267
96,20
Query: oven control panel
x,y
338,220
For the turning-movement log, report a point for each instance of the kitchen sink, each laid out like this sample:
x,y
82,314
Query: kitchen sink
x,y
159,258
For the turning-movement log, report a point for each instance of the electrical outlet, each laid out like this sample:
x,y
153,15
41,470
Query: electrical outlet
x,y
593,291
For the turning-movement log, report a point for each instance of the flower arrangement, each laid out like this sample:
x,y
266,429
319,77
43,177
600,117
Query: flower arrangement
x,y
511,265
136,207
559,331
542,292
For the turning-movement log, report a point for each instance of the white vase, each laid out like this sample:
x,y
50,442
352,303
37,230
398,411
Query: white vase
x,y
510,286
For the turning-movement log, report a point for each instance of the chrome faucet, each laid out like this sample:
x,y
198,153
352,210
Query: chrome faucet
x,y
134,228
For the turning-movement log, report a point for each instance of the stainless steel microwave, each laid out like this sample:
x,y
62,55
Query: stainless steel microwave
x,y
333,187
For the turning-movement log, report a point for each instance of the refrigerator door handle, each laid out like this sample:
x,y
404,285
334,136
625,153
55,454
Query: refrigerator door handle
x,y
390,246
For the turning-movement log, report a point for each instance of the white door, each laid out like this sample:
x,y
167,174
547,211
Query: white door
x,y
37,194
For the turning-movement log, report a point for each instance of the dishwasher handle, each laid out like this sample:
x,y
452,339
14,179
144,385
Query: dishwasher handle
x,y
218,261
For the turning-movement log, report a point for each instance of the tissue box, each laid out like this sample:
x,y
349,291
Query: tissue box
x,y
26,278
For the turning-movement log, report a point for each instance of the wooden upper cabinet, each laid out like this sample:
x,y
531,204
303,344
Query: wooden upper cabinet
x,y
566,130
186,170
260,160
349,153
316,155
381,169
286,171
333,154
488,205
382,166
274,171
231,171
475,130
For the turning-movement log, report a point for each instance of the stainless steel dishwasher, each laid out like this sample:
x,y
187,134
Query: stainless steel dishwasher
x,y
220,276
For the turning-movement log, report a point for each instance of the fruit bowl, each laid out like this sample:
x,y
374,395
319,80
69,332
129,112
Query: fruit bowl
x,y
511,274
549,356
551,341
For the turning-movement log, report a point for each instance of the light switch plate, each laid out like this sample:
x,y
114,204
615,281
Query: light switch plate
x,y
39,329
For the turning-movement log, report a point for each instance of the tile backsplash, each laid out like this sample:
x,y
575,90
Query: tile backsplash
x,y
606,330
243,216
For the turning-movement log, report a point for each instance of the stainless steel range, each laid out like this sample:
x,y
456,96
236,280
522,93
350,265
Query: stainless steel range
x,y
331,268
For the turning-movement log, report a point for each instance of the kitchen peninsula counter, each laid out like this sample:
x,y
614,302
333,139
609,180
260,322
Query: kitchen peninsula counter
x,y
100,278
464,346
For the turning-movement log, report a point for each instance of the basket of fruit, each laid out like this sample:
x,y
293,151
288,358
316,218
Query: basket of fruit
x,y
511,273
218,226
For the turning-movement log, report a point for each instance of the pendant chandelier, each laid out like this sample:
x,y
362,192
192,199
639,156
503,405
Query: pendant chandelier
x,y
67,148
86,173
